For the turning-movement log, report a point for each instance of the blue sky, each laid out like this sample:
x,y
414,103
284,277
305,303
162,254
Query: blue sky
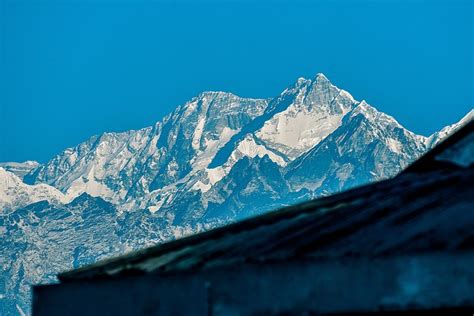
x,y
74,68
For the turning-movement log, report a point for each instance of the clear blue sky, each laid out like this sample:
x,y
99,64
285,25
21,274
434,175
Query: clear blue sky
x,y
74,68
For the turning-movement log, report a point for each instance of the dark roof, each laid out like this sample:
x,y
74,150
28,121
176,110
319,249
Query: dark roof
x,y
429,207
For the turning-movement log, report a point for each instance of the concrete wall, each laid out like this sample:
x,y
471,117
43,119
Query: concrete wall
x,y
428,281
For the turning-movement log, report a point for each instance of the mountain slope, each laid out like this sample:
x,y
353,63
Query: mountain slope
x,y
369,146
42,239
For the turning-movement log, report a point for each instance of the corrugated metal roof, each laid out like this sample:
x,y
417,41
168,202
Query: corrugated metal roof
x,y
430,207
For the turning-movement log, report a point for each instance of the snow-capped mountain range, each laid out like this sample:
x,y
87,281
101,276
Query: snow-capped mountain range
x,y
198,145
218,158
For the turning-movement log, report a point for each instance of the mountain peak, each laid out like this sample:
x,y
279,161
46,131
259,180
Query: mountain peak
x,y
364,109
214,94
304,83
224,96
364,106
301,80
374,115
320,77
